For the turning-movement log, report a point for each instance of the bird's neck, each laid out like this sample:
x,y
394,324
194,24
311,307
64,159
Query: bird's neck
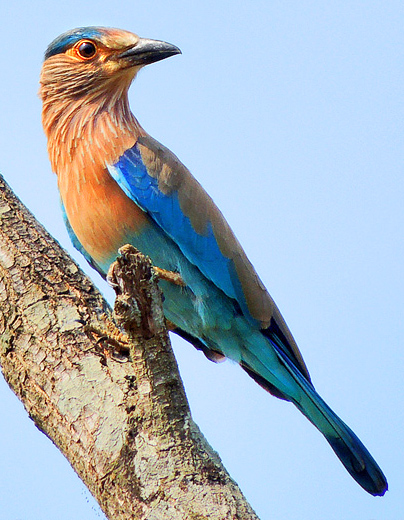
x,y
85,136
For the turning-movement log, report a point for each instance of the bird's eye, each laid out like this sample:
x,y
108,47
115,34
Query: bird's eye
x,y
86,49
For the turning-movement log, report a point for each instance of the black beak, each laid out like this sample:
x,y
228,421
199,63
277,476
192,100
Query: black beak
x,y
148,51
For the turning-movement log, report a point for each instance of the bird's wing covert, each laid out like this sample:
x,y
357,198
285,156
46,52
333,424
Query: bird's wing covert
x,y
159,183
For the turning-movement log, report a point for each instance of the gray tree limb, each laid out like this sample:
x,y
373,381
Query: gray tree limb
x,y
113,404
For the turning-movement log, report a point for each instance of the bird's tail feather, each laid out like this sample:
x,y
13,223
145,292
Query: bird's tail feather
x,y
346,445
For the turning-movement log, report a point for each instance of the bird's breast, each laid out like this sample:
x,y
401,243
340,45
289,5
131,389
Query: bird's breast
x,y
99,212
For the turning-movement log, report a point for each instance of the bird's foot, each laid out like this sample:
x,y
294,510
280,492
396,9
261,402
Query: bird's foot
x,y
169,276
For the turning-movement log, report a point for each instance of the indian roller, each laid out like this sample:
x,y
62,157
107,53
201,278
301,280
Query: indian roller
x,y
120,186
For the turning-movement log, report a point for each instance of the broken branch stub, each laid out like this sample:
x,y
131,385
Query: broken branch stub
x,y
138,304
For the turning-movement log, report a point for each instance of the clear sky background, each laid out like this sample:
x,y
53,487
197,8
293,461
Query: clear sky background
x,y
290,114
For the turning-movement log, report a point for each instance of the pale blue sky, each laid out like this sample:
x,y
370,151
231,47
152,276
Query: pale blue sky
x,y
290,113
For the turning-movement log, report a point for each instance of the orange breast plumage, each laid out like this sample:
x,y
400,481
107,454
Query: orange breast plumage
x,y
100,213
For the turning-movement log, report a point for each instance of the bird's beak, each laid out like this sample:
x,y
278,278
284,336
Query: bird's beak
x,y
148,51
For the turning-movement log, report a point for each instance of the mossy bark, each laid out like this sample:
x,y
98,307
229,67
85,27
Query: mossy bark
x,y
113,404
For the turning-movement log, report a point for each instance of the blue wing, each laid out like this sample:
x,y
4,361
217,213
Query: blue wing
x,y
156,180
141,184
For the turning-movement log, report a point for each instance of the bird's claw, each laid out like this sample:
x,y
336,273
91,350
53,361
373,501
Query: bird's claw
x,y
169,276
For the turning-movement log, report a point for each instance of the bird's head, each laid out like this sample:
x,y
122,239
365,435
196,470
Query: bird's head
x,y
88,62
84,82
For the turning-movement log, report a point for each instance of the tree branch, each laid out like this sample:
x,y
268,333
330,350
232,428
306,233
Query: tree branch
x,y
115,406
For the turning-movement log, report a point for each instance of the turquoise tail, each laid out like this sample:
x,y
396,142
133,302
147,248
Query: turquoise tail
x,y
299,390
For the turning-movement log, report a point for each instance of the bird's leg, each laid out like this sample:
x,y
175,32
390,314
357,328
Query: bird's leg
x,y
169,276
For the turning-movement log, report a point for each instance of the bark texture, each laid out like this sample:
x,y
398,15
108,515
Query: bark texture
x,y
113,403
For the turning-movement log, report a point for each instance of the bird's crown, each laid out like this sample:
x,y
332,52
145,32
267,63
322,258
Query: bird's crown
x,y
68,39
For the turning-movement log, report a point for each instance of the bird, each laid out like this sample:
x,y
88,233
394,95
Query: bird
x,y
118,186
